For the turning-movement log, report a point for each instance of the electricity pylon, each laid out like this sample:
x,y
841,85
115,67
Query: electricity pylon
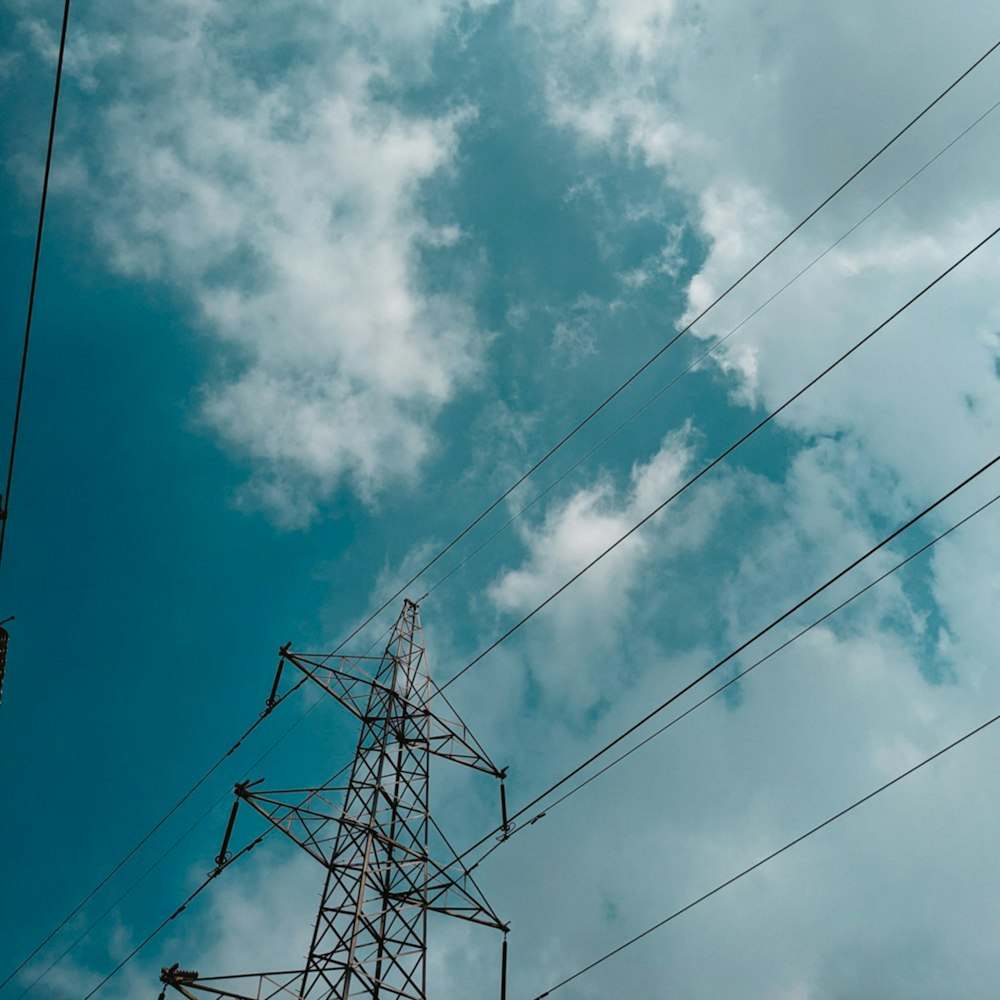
x,y
372,837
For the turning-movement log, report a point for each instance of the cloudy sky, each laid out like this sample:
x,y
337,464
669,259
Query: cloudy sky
x,y
319,282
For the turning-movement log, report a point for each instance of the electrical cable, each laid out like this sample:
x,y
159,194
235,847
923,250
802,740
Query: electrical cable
x,y
211,876
176,843
709,351
173,916
5,499
733,654
145,839
694,479
170,850
771,856
513,829
459,857
673,340
540,462
719,458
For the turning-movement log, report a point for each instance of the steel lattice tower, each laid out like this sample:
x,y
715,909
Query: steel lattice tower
x,y
373,837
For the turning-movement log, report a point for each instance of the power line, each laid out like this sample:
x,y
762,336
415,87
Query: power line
x,y
511,830
5,499
577,788
673,340
632,530
719,458
734,653
267,753
555,448
711,350
170,850
178,842
770,857
145,839
173,916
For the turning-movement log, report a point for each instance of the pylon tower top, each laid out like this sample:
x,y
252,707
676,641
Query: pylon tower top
x,y
373,837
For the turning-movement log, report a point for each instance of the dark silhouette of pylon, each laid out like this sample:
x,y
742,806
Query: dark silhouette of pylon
x,y
373,836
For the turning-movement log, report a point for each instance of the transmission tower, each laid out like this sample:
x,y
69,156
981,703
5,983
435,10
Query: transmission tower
x,y
373,836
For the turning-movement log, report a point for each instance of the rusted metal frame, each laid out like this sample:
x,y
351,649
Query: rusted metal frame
x,y
319,659
214,991
182,988
370,981
414,956
425,829
380,849
346,696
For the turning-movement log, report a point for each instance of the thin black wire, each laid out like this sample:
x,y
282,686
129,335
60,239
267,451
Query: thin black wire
x,y
5,499
709,351
176,843
541,461
173,916
211,876
142,878
735,679
170,850
145,839
771,856
734,653
673,340
719,458
458,858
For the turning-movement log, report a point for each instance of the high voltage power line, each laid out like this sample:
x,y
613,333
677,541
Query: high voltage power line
x,y
287,732
509,828
573,432
729,657
770,857
670,343
721,457
691,366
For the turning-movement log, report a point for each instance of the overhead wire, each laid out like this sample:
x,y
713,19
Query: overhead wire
x,y
717,460
670,343
170,850
519,813
143,840
5,499
784,616
555,448
287,732
708,352
209,879
514,828
222,866
770,857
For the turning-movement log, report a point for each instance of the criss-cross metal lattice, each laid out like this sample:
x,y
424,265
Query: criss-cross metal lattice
x,y
372,836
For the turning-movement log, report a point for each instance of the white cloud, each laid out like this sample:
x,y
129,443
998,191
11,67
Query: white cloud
x,y
840,712
765,106
282,200
573,646
750,112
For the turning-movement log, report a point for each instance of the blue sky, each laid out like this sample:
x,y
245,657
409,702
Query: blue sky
x,y
318,283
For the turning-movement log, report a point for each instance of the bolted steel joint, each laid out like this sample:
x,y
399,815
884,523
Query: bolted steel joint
x,y
175,975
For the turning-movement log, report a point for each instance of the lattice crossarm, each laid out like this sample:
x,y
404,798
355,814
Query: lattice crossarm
x,y
302,825
244,986
347,682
